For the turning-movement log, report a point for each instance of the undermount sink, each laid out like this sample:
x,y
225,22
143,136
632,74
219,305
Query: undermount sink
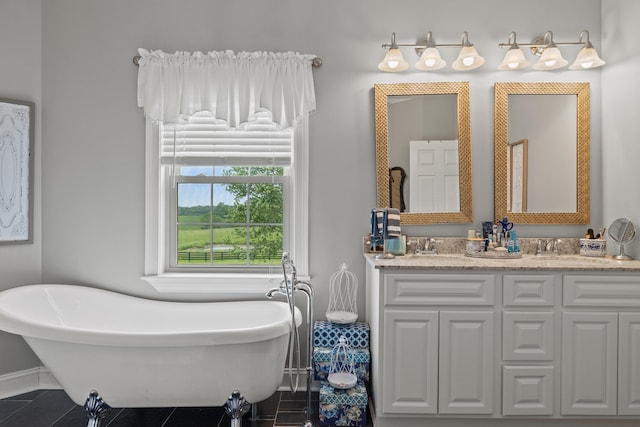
x,y
571,258
495,255
600,260
436,256
544,256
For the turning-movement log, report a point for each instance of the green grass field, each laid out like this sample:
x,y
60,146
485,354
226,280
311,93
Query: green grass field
x,y
193,239
197,236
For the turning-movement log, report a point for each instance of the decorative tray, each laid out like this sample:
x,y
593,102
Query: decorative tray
x,y
495,255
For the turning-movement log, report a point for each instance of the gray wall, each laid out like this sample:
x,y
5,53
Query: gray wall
x,y
93,134
620,107
20,78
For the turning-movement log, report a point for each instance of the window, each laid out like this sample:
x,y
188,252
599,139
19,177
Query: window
x,y
228,217
223,203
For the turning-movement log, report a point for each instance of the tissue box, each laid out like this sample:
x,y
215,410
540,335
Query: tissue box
x,y
593,247
327,334
343,407
322,363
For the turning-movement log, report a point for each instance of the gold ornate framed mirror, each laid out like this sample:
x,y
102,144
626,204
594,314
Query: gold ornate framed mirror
x,y
435,115
554,118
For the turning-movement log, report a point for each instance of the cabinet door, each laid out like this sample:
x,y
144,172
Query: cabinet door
x,y
629,364
589,363
410,362
466,362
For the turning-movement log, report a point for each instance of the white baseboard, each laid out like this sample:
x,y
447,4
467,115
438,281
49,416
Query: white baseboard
x,y
25,381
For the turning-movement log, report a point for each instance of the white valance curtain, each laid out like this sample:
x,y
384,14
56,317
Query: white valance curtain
x,y
233,87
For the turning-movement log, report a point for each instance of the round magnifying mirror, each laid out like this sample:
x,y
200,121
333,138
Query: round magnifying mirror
x,y
622,232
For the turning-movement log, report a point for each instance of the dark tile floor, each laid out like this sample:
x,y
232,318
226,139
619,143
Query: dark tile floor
x,y
53,408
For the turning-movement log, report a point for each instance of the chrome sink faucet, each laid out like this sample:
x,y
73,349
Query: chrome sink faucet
x,y
425,246
547,246
431,245
416,249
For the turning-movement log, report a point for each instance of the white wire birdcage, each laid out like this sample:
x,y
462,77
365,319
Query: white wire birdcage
x,y
343,291
342,372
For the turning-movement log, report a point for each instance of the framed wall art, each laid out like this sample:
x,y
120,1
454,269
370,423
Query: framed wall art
x,y
16,171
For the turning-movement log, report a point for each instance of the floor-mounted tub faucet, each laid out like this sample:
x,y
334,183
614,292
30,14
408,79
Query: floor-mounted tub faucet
x,y
288,287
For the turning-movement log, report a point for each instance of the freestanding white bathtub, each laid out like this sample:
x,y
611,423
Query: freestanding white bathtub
x,y
143,353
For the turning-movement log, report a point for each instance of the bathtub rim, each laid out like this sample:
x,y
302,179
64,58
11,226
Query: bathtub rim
x,y
23,325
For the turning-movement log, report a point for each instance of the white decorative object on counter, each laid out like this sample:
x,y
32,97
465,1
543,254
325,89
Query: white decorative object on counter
x,y
342,373
343,290
593,247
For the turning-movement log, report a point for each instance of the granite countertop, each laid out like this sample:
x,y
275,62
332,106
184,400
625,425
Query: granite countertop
x,y
448,261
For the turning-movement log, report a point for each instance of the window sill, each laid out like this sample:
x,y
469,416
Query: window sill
x,y
243,285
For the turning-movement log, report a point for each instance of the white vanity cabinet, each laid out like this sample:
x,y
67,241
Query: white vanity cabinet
x,y
435,342
503,345
601,345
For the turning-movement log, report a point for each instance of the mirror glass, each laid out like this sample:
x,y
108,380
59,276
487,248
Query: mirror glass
x,y
622,231
541,150
423,151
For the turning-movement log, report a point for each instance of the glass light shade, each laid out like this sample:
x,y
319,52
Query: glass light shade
x,y
393,62
468,59
550,59
514,60
587,58
430,60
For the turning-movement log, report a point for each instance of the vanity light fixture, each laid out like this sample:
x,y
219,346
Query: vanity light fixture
x,y
550,56
514,59
468,58
430,59
587,57
393,61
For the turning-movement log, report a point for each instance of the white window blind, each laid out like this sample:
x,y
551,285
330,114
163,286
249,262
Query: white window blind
x,y
204,140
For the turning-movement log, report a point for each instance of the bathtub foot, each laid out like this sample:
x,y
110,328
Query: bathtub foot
x,y
254,412
236,407
96,409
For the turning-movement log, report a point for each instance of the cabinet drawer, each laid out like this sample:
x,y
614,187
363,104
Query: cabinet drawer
x,y
527,390
528,290
527,336
439,289
601,291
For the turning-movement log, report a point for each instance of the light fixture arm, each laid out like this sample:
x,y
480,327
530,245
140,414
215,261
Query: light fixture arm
x,y
548,39
393,44
422,44
540,43
429,40
586,43
465,39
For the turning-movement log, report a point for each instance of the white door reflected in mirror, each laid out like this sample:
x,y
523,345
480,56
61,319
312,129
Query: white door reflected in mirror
x,y
434,176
